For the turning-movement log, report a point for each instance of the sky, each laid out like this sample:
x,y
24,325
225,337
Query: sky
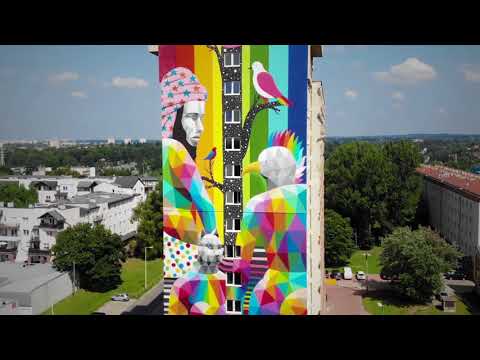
x,y
95,92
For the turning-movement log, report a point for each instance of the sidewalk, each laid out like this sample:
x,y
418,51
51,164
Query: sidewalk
x,y
147,302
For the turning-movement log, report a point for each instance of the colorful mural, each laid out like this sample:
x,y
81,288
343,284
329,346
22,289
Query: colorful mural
x,y
234,120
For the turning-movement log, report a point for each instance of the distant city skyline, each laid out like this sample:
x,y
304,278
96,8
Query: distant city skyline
x,y
98,92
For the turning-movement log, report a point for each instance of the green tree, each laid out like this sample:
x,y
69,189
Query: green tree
x,y
339,245
416,259
358,177
64,171
98,256
115,172
5,171
18,194
406,186
149,214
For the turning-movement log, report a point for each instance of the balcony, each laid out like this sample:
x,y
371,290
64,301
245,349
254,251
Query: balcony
x,y
44,252
58,225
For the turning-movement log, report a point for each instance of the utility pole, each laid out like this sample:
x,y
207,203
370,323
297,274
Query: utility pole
x,y
2,155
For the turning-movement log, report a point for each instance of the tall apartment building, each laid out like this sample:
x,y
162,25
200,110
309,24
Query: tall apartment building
x,y
453,199
239,126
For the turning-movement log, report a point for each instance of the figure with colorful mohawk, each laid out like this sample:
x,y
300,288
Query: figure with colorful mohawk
x,y
277,218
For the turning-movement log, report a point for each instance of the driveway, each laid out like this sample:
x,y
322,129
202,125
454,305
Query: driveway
x,y
344,300
116,307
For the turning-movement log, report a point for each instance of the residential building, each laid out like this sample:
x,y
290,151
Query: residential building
x,y
127,141
453,200
27,234
149,182
111,141
238,128
142,141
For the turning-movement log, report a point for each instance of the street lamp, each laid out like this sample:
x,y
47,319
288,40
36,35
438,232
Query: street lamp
x,y
366,265
382,306
147,247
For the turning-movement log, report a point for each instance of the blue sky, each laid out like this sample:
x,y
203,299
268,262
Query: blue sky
x,y
100,91
385,90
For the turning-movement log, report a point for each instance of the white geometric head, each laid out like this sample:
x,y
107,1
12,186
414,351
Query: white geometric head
x,y
278,165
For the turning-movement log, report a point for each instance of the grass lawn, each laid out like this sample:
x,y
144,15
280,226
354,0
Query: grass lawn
x,y
392,305
357,261
133,276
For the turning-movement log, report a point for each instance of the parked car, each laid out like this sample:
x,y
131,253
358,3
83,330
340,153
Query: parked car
x,y
336,275
360,275
120,297
442,295
347,273
455,275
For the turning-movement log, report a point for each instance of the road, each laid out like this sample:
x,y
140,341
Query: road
x,y
151,303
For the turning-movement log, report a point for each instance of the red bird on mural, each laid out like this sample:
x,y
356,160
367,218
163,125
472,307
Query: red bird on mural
x,y
212,154
265,86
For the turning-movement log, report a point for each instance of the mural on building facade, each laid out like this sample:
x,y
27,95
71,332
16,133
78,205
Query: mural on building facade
x,y
233,127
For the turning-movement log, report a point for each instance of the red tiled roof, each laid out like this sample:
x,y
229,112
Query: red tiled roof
x,y
463,181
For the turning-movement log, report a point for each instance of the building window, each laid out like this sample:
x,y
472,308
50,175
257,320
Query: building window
x,y
232,88
232,144
26,232
232,197
50,233
65,188
232,171
232,251
234,306
234,279
232,117
231,59
232,225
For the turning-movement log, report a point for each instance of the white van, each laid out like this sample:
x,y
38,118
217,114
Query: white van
x,y
347,273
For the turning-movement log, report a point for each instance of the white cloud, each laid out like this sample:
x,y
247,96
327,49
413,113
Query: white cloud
x,y
398,95
129,82
64,76
352,94
471,72
410,71
79,94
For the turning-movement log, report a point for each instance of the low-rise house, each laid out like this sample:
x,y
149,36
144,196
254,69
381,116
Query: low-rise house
x,y
31,289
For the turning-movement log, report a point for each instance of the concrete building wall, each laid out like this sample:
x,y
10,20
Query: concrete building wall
x,y
50,293
455,216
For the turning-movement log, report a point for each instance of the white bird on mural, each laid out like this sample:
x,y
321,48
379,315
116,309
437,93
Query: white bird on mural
x,y
265,85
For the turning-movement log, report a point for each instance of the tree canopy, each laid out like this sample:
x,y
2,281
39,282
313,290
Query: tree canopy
x,y
149,214
416,260
147,156
18,194
405,188
64,171
97,253
339,245
358,177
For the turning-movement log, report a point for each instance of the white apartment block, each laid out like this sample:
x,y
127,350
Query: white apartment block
x,y
454,205
453,200
27,234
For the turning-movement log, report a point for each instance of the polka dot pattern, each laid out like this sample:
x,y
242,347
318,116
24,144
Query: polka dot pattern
x,y
179,257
